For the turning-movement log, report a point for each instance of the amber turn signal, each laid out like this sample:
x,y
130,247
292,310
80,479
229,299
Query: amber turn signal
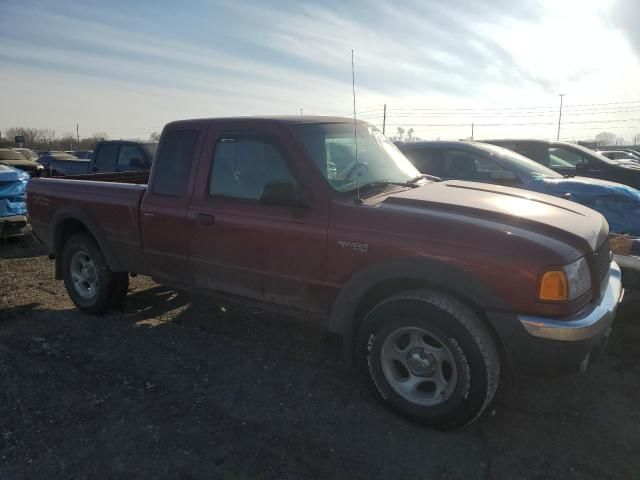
x,y
554,286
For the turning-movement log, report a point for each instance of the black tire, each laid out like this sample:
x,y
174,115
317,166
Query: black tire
x,y
110,287
451,327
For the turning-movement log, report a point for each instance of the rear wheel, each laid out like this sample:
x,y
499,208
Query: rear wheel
x,y
428,357
91,285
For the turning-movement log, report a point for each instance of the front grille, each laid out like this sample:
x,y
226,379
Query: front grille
x,y
602,257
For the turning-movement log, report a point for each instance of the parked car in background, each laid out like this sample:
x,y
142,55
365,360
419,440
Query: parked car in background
x,y
27,153
108,156
122,156
482,162
571,159
81,154
433,286
619,155
13,209
60,163
12,158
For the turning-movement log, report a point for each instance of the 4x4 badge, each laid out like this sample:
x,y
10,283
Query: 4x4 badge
x,y
355,246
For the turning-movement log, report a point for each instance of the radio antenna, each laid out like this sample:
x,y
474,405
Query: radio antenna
x,y
355,128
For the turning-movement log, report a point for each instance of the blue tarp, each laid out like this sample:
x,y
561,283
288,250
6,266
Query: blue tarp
x,y
618,203
13,186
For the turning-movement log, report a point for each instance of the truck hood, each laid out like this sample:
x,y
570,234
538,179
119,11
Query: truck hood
x,y
513,207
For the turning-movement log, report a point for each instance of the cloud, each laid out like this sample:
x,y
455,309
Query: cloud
x,y
150,62
626,14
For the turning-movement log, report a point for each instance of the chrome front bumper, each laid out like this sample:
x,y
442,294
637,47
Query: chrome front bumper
x,y
585,325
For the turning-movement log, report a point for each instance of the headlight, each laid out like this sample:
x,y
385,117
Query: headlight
x,y
578,277
569,283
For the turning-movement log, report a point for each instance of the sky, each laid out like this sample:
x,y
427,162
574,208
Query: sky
x,y
126,68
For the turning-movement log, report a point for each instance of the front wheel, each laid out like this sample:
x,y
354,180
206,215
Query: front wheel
x,y
428,357
91,285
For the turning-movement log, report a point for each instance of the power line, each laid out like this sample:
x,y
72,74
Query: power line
x,y
535,108
518,124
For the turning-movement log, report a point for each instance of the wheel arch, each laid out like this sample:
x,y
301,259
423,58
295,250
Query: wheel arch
x,y
372,285
69,221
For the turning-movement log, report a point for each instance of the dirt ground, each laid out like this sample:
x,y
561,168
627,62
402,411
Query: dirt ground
x,y
178,386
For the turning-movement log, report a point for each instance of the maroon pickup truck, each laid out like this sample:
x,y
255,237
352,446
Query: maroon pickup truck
x,y
434,287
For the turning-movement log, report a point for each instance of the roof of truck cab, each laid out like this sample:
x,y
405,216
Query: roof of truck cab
x,y
283,119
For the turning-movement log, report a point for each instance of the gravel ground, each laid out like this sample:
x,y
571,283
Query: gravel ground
x,y
179,386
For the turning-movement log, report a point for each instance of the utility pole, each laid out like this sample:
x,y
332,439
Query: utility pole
x,y
384,118
472,125
560,116
78,132
301,111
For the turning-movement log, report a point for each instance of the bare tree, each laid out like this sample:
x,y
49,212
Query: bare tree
x,y
403,135
67,141
409,137
45,135
30,134
96,137
155,136
606,138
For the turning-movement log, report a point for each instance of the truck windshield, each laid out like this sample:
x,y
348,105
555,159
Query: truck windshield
x,y
332,147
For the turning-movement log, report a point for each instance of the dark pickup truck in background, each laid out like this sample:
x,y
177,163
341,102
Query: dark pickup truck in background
x,y
572,159
107,156
434,287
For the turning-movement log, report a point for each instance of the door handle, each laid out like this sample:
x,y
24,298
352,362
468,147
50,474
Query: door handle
x,y
205,219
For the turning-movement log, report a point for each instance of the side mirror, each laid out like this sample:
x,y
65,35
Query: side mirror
x,y
281,192
504,177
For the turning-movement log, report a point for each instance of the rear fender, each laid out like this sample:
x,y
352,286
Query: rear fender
x,y
61,218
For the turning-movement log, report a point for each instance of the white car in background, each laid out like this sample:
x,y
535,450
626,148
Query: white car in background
x,y
620,155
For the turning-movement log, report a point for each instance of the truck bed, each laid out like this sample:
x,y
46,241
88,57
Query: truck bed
x,y
108,204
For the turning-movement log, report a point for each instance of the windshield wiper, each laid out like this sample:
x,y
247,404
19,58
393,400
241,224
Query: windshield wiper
x,y
382,183
425,176
413,183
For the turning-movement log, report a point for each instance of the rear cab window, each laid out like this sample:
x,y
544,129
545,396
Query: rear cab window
x,y
174,161
132,158
105,157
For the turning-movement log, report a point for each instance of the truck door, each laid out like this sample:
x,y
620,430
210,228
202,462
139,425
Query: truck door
x,y
164,206
242,246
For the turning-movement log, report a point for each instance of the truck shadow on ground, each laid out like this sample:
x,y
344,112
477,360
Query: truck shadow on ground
x,y
178,383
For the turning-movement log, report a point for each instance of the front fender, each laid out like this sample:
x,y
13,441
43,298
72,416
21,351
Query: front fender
x,y
430,273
